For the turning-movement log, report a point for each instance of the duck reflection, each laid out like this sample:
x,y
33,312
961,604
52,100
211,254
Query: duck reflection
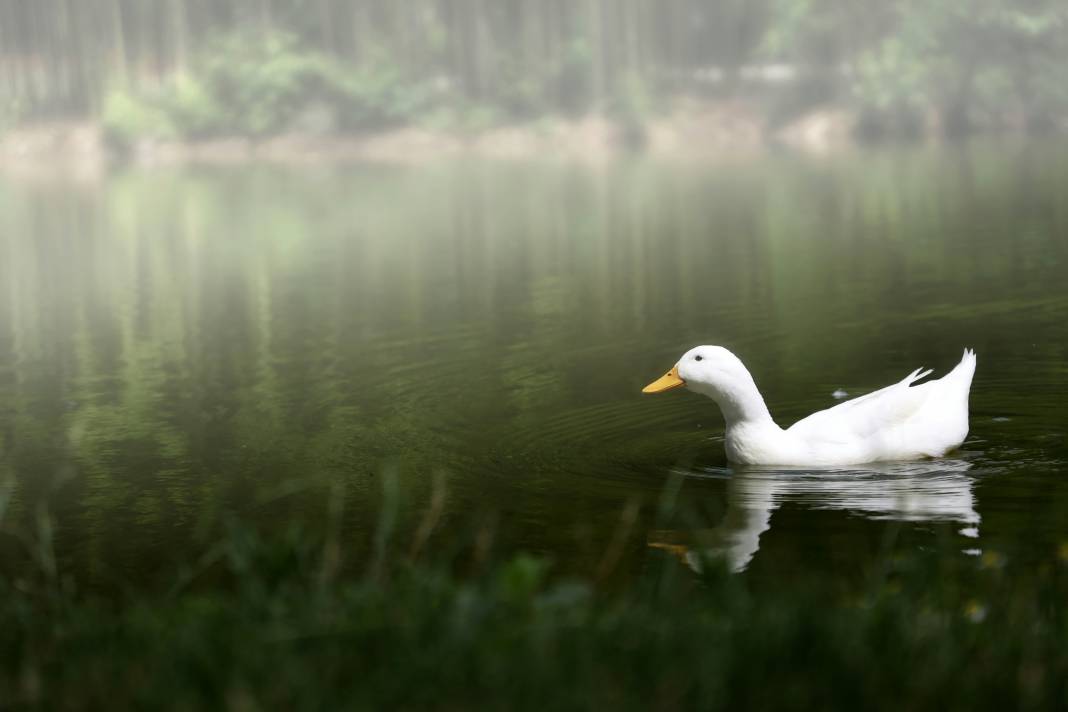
x,y
937,490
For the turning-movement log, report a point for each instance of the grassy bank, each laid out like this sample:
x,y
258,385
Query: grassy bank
x,y
289,622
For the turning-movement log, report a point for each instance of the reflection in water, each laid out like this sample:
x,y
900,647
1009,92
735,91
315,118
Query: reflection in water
x,y
938,490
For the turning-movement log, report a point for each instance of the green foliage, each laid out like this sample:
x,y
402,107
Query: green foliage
x,y
375,95
128,117
193,107
255,85
891,85
255,623
969,65
260,82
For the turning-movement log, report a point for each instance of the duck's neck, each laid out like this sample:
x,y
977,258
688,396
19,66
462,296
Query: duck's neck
x,y
742,404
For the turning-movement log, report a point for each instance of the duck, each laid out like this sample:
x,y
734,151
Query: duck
x,y
904,421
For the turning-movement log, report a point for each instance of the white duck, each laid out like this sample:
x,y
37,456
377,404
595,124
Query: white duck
x,y
899,422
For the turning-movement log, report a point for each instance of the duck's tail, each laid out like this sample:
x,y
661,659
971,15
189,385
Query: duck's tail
x,y
958,386
958,382
963,371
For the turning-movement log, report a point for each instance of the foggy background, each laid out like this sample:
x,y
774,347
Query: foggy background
x,y
201,69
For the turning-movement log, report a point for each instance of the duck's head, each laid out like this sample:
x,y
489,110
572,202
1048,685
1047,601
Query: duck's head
x,y
710,370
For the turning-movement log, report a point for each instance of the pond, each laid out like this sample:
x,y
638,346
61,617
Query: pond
x,y
459,349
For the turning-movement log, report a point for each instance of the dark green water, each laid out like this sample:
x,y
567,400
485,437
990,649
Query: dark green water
x,y
278,345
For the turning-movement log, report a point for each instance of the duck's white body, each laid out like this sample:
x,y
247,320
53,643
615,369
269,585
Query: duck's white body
x,y
899,422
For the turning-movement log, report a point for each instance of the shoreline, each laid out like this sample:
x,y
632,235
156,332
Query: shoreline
x,y
690,131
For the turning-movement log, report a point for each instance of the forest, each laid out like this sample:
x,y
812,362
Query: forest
x,y
196,68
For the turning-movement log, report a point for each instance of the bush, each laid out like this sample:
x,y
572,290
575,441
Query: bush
x,y
251,85
194,110
890,87
128,118
260,83
375,96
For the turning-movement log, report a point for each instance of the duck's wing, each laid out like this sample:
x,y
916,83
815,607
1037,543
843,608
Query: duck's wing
x,y
869,414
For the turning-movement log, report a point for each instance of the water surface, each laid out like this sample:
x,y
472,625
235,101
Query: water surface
x,y
178,347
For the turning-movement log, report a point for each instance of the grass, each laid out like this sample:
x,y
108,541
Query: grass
x,y
286,621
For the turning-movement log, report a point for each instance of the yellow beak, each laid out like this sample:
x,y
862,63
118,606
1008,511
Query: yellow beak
x,y
666,382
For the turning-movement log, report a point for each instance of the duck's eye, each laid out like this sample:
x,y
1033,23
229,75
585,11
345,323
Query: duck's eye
x,y
698,358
